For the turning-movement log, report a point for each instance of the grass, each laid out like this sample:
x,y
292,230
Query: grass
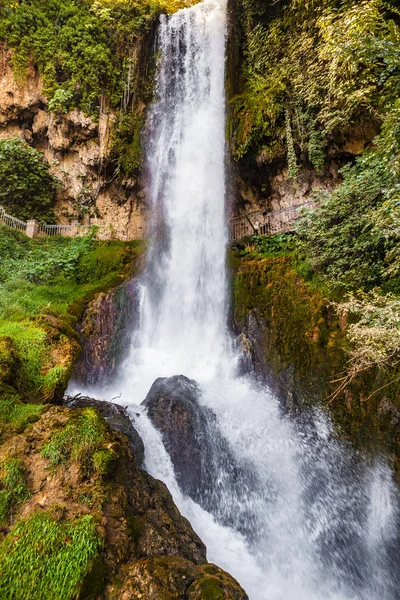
x,y
48,274
14,489
81,440
14,413
47,558
43,279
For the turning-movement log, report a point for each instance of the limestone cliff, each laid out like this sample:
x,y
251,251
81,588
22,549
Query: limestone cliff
x,y
78,148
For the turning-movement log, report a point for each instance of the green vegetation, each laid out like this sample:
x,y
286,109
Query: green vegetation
x,y
13,489
85,51
27,189
312,70
15,414
45,284
295,52
81,48
81,441
314,77
47,558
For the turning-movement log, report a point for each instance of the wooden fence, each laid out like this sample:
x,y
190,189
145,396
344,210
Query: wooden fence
x,y
266,223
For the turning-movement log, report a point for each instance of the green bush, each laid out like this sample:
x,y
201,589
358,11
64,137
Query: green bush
x,y
316,66
352,240
27,188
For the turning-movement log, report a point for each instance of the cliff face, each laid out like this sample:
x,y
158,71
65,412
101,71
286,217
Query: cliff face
x,y
79,150
291,337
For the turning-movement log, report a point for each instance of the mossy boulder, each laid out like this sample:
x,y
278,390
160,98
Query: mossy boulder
x,y
172,578
77,507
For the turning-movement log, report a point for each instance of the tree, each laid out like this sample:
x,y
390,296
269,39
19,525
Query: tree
x,y
27,188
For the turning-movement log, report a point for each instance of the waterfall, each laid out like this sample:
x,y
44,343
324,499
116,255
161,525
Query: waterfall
x,y
315,520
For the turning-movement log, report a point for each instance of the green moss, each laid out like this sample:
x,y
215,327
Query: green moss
x,y
8,358
13,486
103,460
211,589
135,527
80,440
296,316
46,558
13,412
31,344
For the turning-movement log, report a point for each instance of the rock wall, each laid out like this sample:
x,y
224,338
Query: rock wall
x,y
291,337
78,149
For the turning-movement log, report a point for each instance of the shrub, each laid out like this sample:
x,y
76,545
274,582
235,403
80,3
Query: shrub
x,y
27,188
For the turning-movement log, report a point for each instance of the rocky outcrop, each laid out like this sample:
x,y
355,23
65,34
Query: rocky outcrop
x,y
291,337
170,578
117,418
104,334
173,407
77,148
71,470
205,466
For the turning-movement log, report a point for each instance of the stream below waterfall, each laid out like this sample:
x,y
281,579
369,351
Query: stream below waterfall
x,y
308,519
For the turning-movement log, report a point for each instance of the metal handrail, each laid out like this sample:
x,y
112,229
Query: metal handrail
x,y
266,223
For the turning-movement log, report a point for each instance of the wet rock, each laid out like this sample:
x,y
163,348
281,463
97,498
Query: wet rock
x,y
205,466
118,419
173,407
171,578
104,334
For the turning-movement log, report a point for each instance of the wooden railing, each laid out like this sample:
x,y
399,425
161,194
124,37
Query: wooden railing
x,y
267,223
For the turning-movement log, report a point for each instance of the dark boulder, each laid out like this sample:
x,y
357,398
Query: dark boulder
x,y
204,464
116,416
173,407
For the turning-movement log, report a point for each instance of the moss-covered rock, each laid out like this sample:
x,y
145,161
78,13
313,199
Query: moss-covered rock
x,y
171,578
75,505
8,359
293,337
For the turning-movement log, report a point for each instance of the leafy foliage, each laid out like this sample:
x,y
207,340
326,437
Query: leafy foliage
x,y
46,558
27,188
353,239
375,337
328,65
80,47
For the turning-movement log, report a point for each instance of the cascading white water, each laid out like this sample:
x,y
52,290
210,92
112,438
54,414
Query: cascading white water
x,y
184,293
314,521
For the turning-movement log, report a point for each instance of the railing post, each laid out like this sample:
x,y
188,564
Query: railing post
x,y
32,229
